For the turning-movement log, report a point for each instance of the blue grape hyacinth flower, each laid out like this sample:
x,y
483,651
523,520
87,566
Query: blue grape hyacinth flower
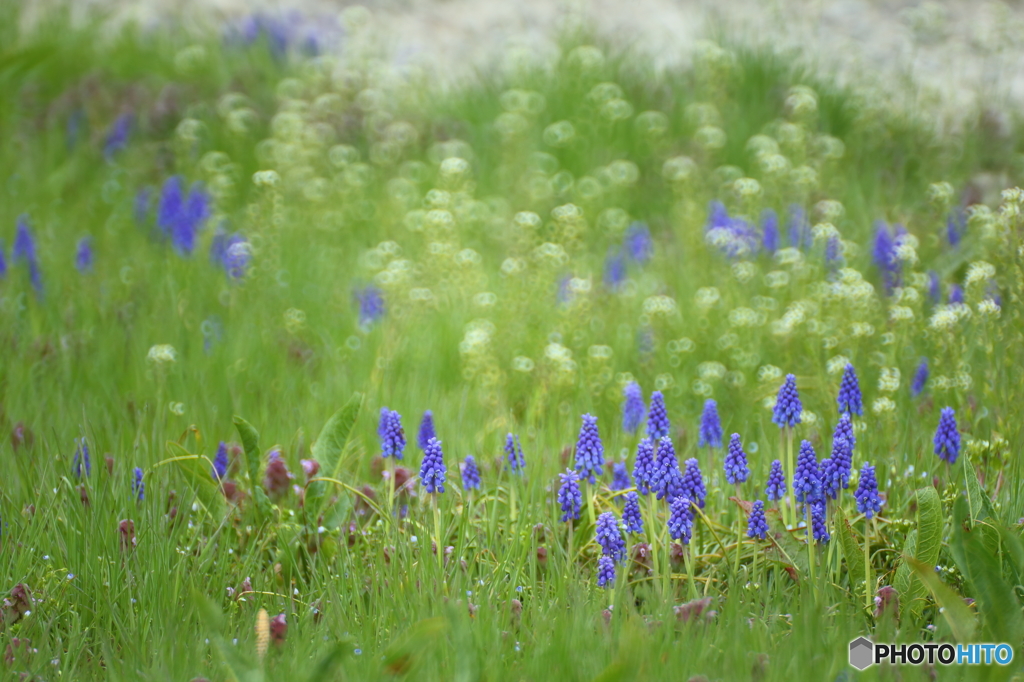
x,y
657,418
370,300
81,460
426,431
638,244
770,231
666,479
220,462
138,487
831,479
605,572
470,474
819,527
736,469
842,460
614,271
589,450
433,472
849,398
24,251
788,407
693,483
620,477
570,499
947,436
633,408
84,255
392,435
710,432
643,466
631,515
609,537
680,519
920,378
757,524
806,483
514,454
776,488
868,501
117,136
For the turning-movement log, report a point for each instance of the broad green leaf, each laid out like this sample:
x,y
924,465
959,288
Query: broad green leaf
x,y
251,447
852,550
1013,550
335,435
327,451
923,545
981,566
954,610
976,500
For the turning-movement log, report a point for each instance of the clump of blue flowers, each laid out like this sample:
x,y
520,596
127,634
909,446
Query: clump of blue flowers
x,y
633,408
666,479
81,460
392,435
370,300
710,432
776,488
788,407
757,524
605,572
589,450
433,472
736,469
609,537
806,484
426,431
868,501
643,466
693,483
220,462
631,515
620,477
514,454
849,398
680,519
470,474
657,418
570,499
947,436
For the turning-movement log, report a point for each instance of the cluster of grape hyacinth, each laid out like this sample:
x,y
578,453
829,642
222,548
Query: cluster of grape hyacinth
x,y
947,436
433,471
514,454
710,432
392,435
736,469
589,450
570,499
633,409
470,474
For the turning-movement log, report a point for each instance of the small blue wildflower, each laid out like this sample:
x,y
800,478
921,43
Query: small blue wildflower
x,y
84,255
787,405
24,251
589,450
232,252
570,499
609,537
138,487
956,224
934,287
220,462
643,466
605,572
757,524
614,271
844,429
710,432
830,477
638,244
633,408
3,259
841,461
776,488
947,436
392,435
631,515
117,136
770,231
514,454
920,378
799,227
868,501
371,305
819,528
432,470
883,254
956,294
620,477
693,483
833,257
170,204
180,217
666,480
657,418
736,469
680,519
426,430
81,458
806,484
735,237
470,474
849,398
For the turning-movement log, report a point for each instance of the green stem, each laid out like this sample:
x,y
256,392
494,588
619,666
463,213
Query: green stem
x,y
513,509
789,473
437,534
689,571
810,553
652,532
867,564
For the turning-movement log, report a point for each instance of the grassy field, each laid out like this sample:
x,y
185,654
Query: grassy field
x,y
223,241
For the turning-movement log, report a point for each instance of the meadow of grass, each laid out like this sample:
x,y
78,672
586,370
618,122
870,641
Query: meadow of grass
x,y
510,254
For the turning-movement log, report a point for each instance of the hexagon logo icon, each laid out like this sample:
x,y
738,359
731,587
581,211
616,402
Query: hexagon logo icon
x,y
861,653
